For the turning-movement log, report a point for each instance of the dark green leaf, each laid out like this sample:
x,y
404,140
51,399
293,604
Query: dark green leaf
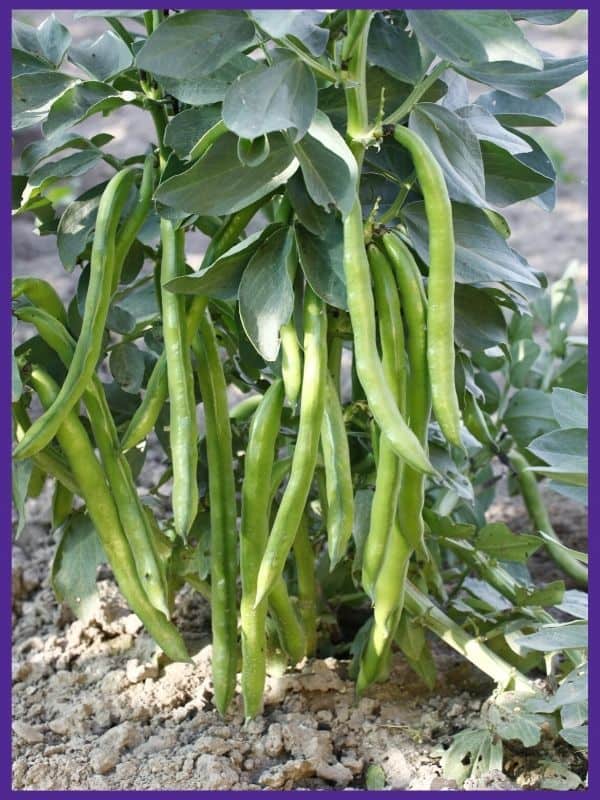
x,y
75,229
103,58
321,258
195,43
498,541
529,414
32,94
312,216
42,148
266,296
184,129
507,179
210,88
549,595
394,50
524,81
80,102
302,25
76,164
219,184
253,152
139,305
479,323
472,753
487,128
77,557
542,17
474,37
518,112
126,365
276,98
21,473
49,40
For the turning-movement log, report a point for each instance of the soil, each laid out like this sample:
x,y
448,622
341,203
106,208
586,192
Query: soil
x,y
97,707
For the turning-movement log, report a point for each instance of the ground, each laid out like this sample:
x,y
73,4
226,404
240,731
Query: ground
x,y
94,708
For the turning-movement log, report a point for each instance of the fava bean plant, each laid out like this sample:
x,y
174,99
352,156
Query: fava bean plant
x,y
337,388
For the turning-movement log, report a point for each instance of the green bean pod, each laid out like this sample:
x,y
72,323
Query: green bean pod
x,y
389,467
223,538
291,362
338,476
41,294
254,530
90,476
418,400
366,359
89,344
290,630
304,556
62,505
118,472
440,285
183,427
312,403
245,408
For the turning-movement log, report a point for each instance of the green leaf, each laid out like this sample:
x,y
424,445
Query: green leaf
x,y
16,382
524,81
80,102
126,364
43,148
302,25
479,323
455,147
564,450
321,258
219,184
499,542
474,37
210,88
570,408
32,95
253,152
529,414
394,50
550,638
573,689
266,295
472,753
50,40
549,595
542,17
375,778
277,98
445,526
482,254
363,500
193,44
508,179
70,166
103,58
578,494
509,719
75,228
487,128
185,128
518,112
312,216
77,557
576,737
328,166
24,63
21,473
557,777
575,604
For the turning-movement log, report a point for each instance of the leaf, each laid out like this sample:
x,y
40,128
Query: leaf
x,y
32,95
103,58
509,718
564,450
474,37
375,778
219,184
394,50
21,473
266,295
487,128
524,354
484,594
24,63
472,753
50,40
529,414
499,542
518,112
556,776
542,17
71,166
77,557
479,323
210,88
578,494
524,81
253,152
572,715
185,128
455,147
328,166
570,408
574,603
577,737
126,364
549,595
277,98
361,520
574,688
576,554
43,148
321,258
511,178
482,254
75,229
302,25
193,44
312,216
550,638
80,102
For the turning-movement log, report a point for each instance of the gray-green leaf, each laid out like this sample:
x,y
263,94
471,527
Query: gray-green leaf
x,y
103,58
302,25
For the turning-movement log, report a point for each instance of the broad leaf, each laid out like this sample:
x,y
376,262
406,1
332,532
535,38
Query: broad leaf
x,y
565,451
510,720
195,43
312,216
32,95
321,258
474,37
103,58
25,64
570,408
472,753
575,604
266,295
21,473
276,98
80,102
185,128
76,164
528,415
542,17
524,81
479,322
549,638
75,228
519,112
49,40
219,184
43,148
487,128
498,541
126,364
302,25
207,89
394,50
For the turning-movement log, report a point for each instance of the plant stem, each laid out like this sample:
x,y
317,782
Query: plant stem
x,y
416,94
357,20
357,128
394,209
315,65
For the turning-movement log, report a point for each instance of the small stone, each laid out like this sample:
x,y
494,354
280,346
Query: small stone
x,y
334,773
215,772
455,710
136,672
156,743
108,748
397,772
286,775
273,741
29,733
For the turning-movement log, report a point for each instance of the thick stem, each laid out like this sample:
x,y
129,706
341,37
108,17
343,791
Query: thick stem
x,y
416,94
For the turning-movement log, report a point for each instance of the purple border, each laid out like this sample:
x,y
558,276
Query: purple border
x,y
5,334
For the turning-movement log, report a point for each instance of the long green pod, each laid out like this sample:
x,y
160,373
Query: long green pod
x,y
366,359
157,388
118,472
41,294
418,399
290,630
223,538
254,530
183,427
90,476
128,233
312,403
389,467
291,362
304,556
97,301
62,505
338,475
440,285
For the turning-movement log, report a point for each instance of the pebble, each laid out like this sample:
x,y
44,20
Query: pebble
x,y
28,733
